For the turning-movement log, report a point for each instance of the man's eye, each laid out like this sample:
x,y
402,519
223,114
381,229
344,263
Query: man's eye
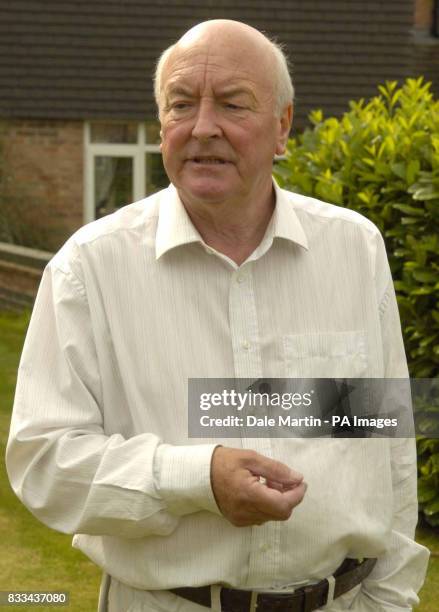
x,y
180,105
233,106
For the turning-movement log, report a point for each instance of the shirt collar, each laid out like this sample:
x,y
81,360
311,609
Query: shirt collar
x,y
175,227
286,223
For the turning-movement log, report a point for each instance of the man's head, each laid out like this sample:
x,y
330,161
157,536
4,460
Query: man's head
x,y
225,105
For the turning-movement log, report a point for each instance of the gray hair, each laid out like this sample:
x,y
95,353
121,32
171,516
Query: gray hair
x,y
283,84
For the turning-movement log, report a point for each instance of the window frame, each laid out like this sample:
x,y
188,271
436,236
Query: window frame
x,y
435,19
136,151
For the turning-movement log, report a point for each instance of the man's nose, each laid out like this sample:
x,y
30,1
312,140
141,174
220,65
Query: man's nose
x,y
206,121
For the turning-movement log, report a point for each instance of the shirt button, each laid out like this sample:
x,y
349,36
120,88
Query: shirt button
x,y
264,547
240,278
246,345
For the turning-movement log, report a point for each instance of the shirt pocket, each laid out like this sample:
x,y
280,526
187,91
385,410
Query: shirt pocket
x,y
326,355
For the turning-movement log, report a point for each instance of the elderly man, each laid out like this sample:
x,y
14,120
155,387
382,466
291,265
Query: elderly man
x,y
223,274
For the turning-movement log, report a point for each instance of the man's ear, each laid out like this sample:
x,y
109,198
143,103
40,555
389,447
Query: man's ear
x,y
285,121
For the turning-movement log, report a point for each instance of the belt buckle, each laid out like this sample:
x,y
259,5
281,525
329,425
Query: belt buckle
x,y
292,588
274,600
307,599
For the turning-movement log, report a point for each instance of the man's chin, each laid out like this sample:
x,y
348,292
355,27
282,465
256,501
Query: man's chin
x,y
208,193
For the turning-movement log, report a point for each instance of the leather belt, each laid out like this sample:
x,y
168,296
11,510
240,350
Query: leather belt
x,y
304,599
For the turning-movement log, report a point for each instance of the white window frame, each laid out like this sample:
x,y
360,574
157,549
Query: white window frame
x,y
135,150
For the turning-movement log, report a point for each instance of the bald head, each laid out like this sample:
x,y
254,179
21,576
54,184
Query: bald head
x,y
228,30
267,55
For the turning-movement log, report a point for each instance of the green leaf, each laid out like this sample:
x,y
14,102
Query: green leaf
x,y
426,193
412,170
435,462
422,291
427,445
399,169
424,276
409,210
426,491
316,116
428,340
433,520
433,506
409,220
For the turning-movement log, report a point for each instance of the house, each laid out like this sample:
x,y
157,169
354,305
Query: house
x,y
79,135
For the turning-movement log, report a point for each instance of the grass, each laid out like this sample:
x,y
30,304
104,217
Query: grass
x,y
35,557
429,594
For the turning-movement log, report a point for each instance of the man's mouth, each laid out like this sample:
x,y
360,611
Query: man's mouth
x,y
208,160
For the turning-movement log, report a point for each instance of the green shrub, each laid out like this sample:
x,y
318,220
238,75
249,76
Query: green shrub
x,y
381,158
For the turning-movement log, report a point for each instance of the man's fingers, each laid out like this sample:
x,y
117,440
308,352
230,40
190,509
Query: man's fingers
x,y
272,484
279,486
273,470
275,503
296,495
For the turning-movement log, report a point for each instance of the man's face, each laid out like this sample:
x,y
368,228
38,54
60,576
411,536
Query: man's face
x,y
219,128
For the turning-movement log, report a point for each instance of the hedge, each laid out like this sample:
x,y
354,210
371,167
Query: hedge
x,y
381,158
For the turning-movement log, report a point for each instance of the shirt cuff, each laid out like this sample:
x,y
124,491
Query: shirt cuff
x,y
182,478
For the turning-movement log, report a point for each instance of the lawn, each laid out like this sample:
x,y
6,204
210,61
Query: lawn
x,y
36,558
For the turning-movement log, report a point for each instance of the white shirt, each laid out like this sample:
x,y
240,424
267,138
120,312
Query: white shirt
x,y
133,306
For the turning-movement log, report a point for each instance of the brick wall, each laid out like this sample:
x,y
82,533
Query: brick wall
x,y
42,182
21,269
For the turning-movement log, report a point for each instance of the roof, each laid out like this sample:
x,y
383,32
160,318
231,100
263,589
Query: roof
x,y
88,59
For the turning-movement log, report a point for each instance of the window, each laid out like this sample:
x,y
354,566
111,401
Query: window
x,y
123,164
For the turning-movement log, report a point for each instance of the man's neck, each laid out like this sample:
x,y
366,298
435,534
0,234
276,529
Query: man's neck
x,y
233,228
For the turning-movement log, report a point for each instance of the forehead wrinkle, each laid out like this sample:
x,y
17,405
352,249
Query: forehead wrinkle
x,y
183,77
209,55
229,88
203,65
205,75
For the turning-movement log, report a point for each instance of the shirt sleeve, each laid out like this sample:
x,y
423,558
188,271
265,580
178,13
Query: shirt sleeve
x,y
60,462
400,572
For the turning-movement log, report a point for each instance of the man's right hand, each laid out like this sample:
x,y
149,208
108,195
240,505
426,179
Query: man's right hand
x,y
251,489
